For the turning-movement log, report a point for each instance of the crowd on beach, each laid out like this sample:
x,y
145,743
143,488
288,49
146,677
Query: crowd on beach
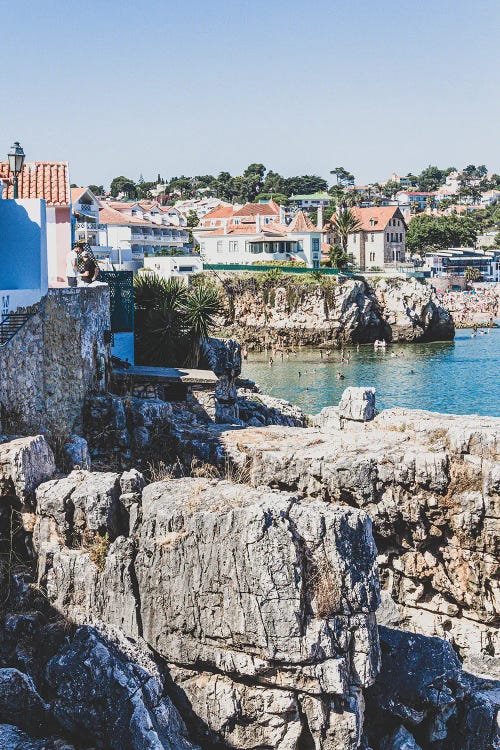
x,y
479,306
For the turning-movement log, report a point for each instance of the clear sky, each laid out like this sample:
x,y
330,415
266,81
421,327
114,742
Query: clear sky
x,y
196,87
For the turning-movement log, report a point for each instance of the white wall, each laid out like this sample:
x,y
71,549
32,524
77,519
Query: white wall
x,y
174,266
23,253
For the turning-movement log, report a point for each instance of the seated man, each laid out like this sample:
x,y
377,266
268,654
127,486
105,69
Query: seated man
x,y
89,269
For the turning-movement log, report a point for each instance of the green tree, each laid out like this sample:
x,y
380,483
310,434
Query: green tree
x,y
200,309
472,273
338,258
427,233
96,189
343,177
123,185
344,223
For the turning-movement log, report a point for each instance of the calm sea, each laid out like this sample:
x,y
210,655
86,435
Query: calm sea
x,y
460,377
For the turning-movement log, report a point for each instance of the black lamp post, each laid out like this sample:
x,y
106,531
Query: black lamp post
x,y
16,161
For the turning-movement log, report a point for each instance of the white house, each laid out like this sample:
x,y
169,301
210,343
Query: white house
x,y
381,239
23,253
311,201
254,234
174,266
49,181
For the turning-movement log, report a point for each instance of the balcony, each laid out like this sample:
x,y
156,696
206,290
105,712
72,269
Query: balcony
x,y
88,226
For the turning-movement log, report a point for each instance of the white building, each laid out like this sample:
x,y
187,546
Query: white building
x,y
254,234
175,266
381,240
23,253
201,206
135,231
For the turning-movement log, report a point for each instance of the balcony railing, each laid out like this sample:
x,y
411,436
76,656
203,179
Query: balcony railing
x,y
90,226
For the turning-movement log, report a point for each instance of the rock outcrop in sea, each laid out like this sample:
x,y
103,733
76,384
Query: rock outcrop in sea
x,y
333,310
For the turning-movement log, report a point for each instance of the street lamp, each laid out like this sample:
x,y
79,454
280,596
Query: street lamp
x,y
16,161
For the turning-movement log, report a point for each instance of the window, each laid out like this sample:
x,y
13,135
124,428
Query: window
x,y
401,236
219,246
372,257
373,237
5,304
354,238
387,235
315,245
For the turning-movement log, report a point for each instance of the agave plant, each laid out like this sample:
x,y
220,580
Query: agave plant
x,y
171,320
201,309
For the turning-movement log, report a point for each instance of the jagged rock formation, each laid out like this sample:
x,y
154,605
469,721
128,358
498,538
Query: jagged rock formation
x,y
429,482
262,605
335,311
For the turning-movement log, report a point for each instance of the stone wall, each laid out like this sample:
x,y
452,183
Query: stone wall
x,y
55,362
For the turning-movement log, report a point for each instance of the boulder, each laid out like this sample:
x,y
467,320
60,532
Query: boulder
x,y
20,703
400,739
24,464
357,404
77,453
310,576
110,696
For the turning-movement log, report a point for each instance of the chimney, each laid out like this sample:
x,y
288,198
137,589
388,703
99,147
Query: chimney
x,y
224,225
320,218
282,215
257,223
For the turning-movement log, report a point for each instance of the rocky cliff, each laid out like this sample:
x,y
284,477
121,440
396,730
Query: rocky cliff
x,y
207,612
338,311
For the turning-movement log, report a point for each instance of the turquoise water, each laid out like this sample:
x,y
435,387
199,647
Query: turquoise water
x,y
459,377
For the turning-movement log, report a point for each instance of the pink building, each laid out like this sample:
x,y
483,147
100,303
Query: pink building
x,y
48,180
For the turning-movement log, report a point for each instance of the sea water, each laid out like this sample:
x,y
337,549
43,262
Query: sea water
x,y
456,377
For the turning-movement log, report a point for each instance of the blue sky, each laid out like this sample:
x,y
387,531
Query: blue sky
x,y
120,87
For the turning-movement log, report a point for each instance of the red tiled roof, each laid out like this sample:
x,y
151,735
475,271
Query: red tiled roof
x,y
376,218
219,212
252,209
40,179
302,223
77,193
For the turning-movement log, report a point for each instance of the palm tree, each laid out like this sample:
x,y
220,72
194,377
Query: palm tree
x,y
344,223
200,310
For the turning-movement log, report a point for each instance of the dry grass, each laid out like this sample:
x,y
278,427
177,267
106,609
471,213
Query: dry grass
x,y
464,477
97,546
325,587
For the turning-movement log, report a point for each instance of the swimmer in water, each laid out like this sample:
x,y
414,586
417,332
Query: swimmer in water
x,y
300,373
412,372
340,376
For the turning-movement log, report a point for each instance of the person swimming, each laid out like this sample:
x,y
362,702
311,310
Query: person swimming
x,y
340,376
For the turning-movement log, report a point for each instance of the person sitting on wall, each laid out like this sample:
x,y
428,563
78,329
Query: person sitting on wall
x,y
71,266
90,269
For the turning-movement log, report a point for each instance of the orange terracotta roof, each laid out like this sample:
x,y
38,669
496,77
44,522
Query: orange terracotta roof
x,y
219,212
111,216
252,209
77,193
40,179
302,223
376,218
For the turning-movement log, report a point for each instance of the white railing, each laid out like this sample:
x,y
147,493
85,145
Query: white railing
x,y
88,225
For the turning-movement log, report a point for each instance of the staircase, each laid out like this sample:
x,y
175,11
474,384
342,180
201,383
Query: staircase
x,y
10,325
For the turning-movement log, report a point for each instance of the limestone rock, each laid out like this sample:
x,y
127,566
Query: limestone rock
x,y
24,464
412,312
77,453
400,739
249,616
20,703
430,483
243,716
110,700
357,404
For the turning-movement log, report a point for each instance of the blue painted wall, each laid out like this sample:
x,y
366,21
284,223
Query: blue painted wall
x,y
23,244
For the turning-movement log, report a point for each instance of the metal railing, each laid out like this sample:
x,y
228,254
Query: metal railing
x,y
10,324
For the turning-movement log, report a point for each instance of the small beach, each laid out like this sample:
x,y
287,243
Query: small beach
x,y
458,377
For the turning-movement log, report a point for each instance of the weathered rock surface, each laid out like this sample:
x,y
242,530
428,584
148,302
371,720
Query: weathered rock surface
x,y
339,311
262,605
25,463
357,404
431,485
426,700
